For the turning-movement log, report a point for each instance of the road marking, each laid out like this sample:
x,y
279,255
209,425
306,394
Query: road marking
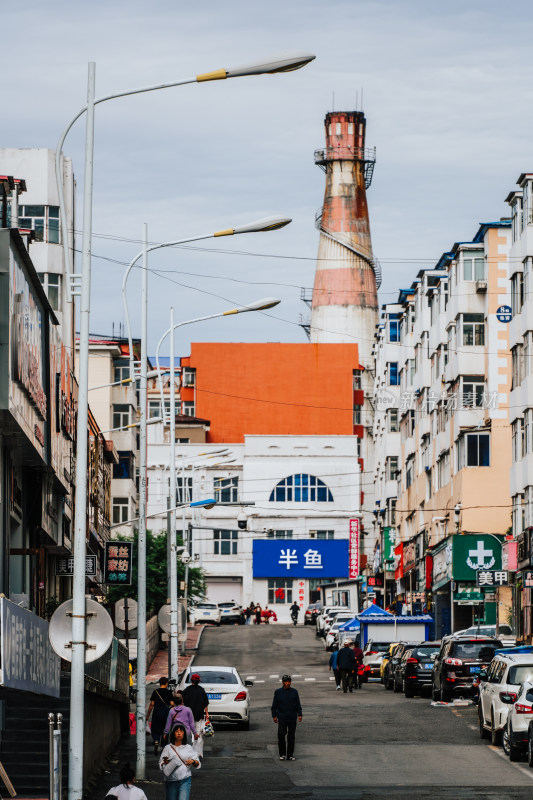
x,y
260,681
297,675
273,676
311,679
500,753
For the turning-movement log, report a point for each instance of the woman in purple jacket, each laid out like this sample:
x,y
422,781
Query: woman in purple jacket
x,y
182,714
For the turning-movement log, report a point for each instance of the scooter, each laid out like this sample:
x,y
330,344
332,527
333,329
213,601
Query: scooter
x,y
294,618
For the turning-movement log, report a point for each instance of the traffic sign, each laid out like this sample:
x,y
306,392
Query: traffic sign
x,y
504,313
98,630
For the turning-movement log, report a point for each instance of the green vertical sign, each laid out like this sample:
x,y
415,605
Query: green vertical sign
x,y
472,552
389,541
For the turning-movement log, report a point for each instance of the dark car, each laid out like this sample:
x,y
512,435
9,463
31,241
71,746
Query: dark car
x,y
457,663
311,613
394,663
413,673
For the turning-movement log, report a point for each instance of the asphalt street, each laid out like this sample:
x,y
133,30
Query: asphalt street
x,y
369,745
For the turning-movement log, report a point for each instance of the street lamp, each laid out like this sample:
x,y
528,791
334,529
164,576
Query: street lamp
x,y
82,283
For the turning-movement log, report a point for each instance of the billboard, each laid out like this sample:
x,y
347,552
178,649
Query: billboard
x,y
300,558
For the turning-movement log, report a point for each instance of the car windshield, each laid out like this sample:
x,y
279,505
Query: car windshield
x,y
212,676
475,649
520,674
226,605
378,647
206,605
425,652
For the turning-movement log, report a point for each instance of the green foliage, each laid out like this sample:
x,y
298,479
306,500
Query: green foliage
x,y
156,574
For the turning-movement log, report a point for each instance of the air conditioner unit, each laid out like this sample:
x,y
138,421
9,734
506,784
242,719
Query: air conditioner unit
x,y
481,286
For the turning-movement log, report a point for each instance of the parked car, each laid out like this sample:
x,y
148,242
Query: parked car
x,y
231,612
384,672
517,736
373,652
332,636
502,679
323,615
329,619
457,661
413,673
505,634
229,700
395,682
311,613
206,612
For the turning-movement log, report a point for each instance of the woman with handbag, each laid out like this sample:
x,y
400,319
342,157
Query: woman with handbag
x,y
161,702
182,714
176,761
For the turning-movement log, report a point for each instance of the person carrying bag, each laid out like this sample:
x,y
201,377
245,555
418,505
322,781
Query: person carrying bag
x,y
176,760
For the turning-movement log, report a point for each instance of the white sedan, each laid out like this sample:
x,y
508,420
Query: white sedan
x,y
206,612
332,636
229,700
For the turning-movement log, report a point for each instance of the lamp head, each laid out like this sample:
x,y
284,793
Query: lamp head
x,y
203,503
258,226
283,62
258,305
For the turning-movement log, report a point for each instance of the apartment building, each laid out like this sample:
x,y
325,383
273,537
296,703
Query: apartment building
x,y
455,440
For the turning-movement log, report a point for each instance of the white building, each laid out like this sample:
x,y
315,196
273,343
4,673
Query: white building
x,y
298,494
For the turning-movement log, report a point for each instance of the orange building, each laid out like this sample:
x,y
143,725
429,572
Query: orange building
x,y
273,388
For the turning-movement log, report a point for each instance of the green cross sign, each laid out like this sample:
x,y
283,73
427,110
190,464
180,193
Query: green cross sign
x,y
472,552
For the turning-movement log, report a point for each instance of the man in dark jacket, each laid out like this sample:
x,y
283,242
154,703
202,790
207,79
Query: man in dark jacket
x,y
358,653
347,664
195,697
286,709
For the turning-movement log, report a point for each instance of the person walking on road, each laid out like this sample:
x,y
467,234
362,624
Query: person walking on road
x,y
161,702
126,790
333,666
257,612
195,698
176,761
182,714
286,709
358,653
347,664
248,615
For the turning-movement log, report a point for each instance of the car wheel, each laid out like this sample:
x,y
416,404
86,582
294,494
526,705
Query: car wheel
x,y
509,748
408,690
395,687
530,748
445,696
495,735
483,733
434,693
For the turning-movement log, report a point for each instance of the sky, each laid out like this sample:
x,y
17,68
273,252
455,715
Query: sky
x,y
446,88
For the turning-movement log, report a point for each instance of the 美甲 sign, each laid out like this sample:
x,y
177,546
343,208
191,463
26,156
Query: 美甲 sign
x,y
492,577
474,552
300,558
118,563
353,568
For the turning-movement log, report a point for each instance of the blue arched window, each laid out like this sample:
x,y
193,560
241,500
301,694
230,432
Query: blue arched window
x,y
301,489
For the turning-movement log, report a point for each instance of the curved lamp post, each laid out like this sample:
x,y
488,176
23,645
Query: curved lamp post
x,y
283,63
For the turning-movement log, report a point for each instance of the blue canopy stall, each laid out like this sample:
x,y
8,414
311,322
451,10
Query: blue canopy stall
x,y
382,626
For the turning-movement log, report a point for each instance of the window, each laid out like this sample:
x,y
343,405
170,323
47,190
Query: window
x,y
43,220
183,490
52,286
279,534
474,450
121,369
154,408
392,417
394,330
188,376
517,292
391,510
409,472
443,469
225,542
517,439
394,375
301,488
182,440
226,489
322,534
279,590
392,467
473,330
527,434
120,509
187,408
472,391
357,379
474,268
125,467
357,416
121,415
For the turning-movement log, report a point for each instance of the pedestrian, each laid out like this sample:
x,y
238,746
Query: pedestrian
x,y
358,653
126,790
333,667
176,761
295,610
348,666
195,698
161,701
257,612
182,714
248,611
286,709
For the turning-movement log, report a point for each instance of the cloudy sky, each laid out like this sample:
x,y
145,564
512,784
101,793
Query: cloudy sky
x,y
447,91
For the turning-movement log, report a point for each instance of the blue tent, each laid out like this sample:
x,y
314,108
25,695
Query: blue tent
x,y
351,625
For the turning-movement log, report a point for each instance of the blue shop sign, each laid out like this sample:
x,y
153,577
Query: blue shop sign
x,y
300,558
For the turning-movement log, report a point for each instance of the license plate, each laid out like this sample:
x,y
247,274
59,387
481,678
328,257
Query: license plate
x,y
426,666
475,669
214,695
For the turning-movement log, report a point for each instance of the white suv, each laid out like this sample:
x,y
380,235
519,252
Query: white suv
x,y
518,733
326,618
206,612
498,688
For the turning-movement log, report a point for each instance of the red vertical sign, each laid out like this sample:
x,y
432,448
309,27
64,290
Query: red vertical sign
x,y
353,567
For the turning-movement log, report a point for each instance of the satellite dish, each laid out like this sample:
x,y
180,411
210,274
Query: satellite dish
x,y
120,614
98,630
163,618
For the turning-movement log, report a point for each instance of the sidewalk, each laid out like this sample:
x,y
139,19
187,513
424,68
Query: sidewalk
x,y
127,750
